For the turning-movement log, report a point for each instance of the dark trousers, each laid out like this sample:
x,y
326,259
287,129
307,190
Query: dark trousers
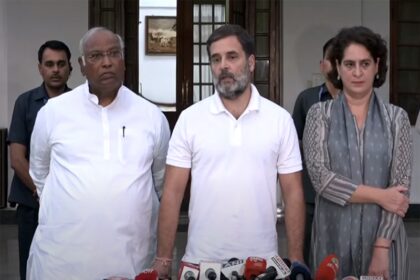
x,y
310,208
27,219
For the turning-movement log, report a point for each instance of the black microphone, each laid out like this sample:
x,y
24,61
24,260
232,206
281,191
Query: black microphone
x,y
235,276
269,274
287,262
210,274
210,270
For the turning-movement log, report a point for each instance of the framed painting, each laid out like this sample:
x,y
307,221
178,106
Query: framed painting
x,y
160,35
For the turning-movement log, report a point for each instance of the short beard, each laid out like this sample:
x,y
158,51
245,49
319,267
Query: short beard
x,y
236,89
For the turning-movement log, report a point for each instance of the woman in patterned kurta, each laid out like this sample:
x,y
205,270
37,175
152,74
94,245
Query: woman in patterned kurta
x,y
358,152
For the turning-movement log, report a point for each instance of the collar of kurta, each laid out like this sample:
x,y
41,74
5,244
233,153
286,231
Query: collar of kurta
x,y
94,99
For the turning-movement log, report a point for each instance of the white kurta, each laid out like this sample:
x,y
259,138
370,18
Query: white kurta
x,y
98,171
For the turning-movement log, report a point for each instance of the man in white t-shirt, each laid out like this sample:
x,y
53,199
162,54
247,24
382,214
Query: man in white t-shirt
x,y
235,144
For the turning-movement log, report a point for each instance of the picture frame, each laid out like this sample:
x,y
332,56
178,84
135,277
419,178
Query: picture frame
x,y
160,35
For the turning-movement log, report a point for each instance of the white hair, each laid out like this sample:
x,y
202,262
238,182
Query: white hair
x,y
92,31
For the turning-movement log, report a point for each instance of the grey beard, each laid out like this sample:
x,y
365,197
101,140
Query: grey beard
x,y
228,93
232,92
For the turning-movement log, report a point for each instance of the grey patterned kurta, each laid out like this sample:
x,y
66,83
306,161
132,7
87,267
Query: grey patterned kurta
x,y
339,157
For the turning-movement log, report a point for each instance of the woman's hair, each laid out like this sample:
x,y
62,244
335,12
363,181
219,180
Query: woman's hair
x,y
360,35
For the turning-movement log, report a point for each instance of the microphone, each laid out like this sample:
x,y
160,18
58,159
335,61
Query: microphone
x,y
234,268
254,266
211,274
210,270
189,272
350,277
287,262
189,275
235,276
269,274
148,274
371,278
282,268
300,272
328,268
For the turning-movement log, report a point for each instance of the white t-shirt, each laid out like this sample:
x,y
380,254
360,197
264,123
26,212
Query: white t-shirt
x,y
98,171
234,167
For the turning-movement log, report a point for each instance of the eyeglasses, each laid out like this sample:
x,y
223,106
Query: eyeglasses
x,y
97,56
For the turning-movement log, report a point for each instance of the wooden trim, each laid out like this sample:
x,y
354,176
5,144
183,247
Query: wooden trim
x,y
393,54
3,168
125,23
276,52
410,102
131,37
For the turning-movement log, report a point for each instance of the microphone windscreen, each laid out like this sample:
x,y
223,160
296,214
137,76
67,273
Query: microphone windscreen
x,y
148,274
299,272
328,268
350,278
210,274
254,266
371,278
210,270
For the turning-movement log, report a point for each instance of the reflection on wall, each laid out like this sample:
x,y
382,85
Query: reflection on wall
x,y
157,72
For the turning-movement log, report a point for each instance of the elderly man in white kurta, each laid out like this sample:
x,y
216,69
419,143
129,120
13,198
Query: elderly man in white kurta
x,y
97,159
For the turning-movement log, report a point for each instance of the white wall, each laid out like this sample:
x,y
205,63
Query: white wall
x,y
157,73
24,27
29,25
308,24
375,14
4,108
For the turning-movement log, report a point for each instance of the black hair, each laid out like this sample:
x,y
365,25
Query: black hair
x,y
361,35
327,47
54,45
246,41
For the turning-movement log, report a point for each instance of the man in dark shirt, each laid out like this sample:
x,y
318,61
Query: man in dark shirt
x,y
55,68
303,102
